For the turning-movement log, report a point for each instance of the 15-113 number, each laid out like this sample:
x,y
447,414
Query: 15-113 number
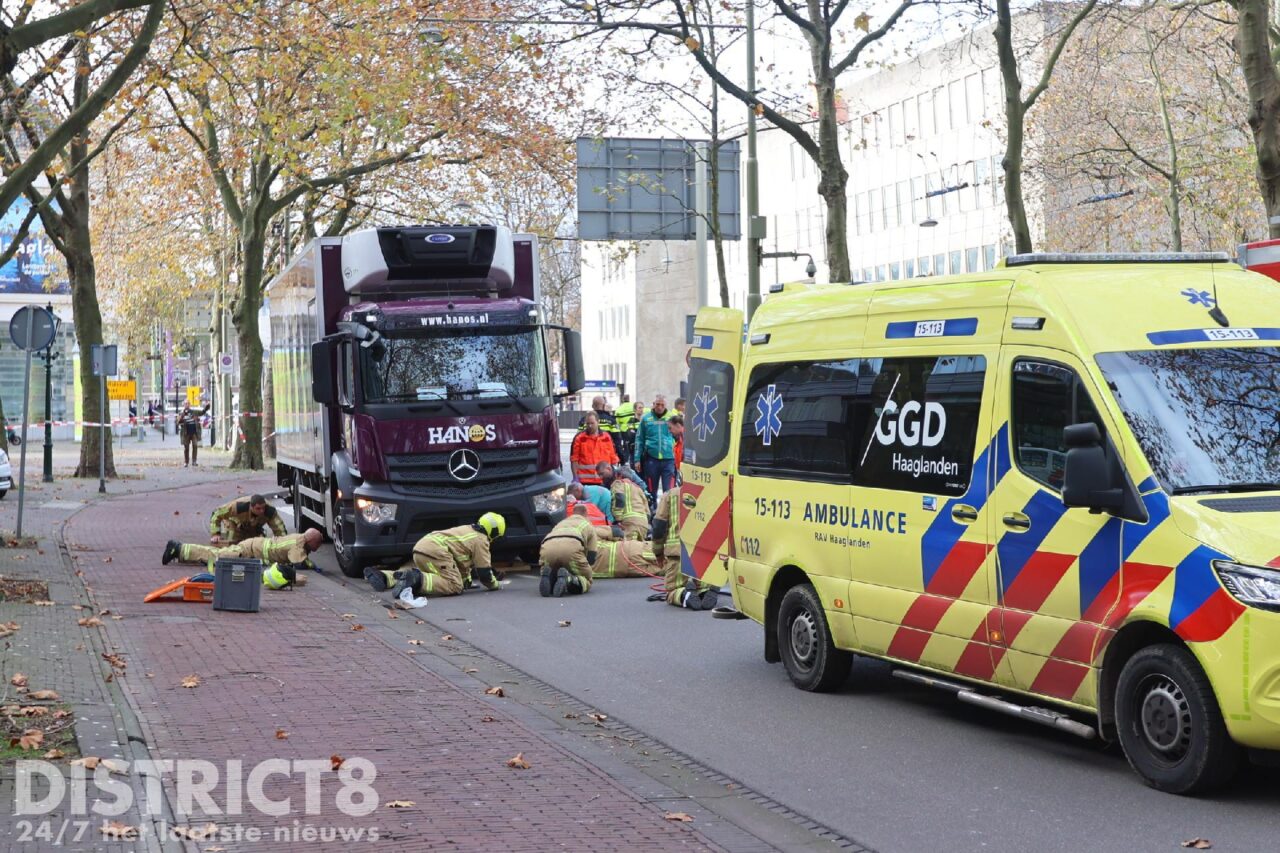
x,y
773,508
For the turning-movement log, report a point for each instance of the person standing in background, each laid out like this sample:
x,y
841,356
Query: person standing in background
x,y
189,433
656,448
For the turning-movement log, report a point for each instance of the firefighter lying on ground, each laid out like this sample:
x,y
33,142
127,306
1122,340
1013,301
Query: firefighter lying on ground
x,y
284,557
244,518
626,559
681,591
445,561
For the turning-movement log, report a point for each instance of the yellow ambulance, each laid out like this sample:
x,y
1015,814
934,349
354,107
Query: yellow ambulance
x,y
1052,488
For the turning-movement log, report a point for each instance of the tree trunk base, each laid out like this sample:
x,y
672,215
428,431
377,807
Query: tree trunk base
x,y
245,459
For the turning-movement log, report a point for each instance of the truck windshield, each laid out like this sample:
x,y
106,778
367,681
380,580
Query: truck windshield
x,y
456,364
1207,419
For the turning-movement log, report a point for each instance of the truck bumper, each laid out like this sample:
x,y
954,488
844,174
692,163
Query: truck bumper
x,y
418,513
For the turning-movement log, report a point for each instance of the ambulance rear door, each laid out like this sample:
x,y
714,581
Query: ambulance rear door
x,y
705,496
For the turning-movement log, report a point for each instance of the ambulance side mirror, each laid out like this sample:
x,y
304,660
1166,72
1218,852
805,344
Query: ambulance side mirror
x,y
1093,477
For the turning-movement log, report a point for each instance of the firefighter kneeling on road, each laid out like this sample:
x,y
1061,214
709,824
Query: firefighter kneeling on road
x,y
444,562
283,557
566,556
243,518
681,591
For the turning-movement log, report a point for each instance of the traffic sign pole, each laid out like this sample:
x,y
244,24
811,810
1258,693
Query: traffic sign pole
x,y
26,416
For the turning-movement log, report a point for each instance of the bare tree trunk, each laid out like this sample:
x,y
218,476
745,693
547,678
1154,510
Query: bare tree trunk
x,y
1253,45
1015,119
833,183
248,452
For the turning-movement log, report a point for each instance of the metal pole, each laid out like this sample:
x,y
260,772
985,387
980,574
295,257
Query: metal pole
x,y
102,425
754,226
48,409
26,418
700,220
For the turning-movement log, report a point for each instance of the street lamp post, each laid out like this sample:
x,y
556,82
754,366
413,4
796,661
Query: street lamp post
x,y
49,355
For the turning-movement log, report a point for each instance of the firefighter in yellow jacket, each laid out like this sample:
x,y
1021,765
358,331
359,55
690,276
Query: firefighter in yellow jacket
x,y
681,591
629,502
566,556
283,556
629,558
445,561
244,518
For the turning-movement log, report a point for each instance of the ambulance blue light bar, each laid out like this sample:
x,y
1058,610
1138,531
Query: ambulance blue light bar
x,y
1117,258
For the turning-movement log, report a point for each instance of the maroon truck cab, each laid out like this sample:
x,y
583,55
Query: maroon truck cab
x,y
414,390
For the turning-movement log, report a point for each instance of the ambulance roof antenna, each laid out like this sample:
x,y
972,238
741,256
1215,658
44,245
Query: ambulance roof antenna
x,y
1216,311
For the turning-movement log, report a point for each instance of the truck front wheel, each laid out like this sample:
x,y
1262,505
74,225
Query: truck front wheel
x,y
344,528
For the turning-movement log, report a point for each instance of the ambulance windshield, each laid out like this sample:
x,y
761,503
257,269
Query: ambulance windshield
x,y
1208,419
457,364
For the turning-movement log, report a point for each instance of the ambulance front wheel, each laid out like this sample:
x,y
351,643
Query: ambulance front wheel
x,y
804,643
1169,723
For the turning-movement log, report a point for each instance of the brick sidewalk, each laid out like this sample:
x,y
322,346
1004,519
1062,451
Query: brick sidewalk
x,y
299,666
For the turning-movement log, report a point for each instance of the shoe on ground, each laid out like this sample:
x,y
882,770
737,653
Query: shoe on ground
x,y
172,550
710,598
408,579
566,584
690,600
376,579
547,582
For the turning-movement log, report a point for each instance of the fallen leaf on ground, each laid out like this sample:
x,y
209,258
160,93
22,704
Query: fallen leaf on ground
x,y
191,681
415,642
8,628
281,734
599,718
61,715
18,680
678,816
347,616
43,603
357,627
419,622
518,763
448,637
89,622
336,761
116,829
571,716
44,695
32,711
495,691
487,719
195,833
1198,843
77,607
471,669
564,623
391,614
31,739
401,804
54,754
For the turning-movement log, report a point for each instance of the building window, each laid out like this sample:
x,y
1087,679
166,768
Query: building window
x,y
971,260
939,264
981,175
927,127
973,97
997,180
989,256
904,204
909,268
939,109
923,265
859,214
880,273
917,200
955,263
955,98
895,271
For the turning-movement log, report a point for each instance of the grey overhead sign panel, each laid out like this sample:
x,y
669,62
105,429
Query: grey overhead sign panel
x,y
644,189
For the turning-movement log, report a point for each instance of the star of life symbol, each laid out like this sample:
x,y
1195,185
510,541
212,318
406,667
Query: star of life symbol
x,y
705,406
1199,297
769,404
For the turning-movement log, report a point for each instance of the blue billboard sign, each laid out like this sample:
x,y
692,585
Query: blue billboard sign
x,y
31,269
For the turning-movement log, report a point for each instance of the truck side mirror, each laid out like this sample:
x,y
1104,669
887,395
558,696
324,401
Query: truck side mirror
x,y
1094,478
575,372
322,373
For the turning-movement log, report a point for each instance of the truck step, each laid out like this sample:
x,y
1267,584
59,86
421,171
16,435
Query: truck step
x,y
1043,716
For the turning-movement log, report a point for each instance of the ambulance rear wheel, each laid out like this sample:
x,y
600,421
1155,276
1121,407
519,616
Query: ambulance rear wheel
x,y
804,642
1169,723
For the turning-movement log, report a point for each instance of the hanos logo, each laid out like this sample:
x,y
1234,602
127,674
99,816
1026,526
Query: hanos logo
x,y
912,424
461,434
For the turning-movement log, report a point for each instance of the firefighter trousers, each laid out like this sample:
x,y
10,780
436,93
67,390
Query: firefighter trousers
x,y
440,574
566,553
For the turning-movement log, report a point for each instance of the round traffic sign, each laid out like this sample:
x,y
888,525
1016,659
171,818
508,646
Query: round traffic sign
x,y
32,328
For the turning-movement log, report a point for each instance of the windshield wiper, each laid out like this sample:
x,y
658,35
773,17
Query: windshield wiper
x,y
1226,487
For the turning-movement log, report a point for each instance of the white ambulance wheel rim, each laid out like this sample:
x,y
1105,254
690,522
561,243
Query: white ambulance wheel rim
x,y
1165,717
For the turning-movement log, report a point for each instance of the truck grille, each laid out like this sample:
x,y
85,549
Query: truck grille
x,y
432,469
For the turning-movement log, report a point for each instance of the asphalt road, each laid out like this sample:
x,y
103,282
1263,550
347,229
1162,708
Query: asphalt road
x,y
894,766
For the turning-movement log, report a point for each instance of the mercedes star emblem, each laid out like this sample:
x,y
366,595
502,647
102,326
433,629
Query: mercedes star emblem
x,y
464,464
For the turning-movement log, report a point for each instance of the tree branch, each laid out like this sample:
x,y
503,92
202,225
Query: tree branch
x,y
1049,63
874,36
24,37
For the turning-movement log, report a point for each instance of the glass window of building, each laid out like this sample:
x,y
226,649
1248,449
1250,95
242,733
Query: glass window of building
x,y
981,175
942,199
939,109
895,124
904,204
971,260
923,265
955,99
989,256
927,125
997,180
909,268
939,264
911,119
895,271
973,97
917,200
859,213
955,263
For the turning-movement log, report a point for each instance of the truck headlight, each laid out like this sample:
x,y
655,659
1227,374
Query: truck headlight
x,y
549,502
375,512
1251,585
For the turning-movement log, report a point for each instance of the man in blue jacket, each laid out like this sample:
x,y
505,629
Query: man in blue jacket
x,y
656,448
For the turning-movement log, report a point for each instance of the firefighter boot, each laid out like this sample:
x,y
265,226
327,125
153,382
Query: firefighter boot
x,y
710,598
410,579
568,584
549,579
377,579
172,550
487,578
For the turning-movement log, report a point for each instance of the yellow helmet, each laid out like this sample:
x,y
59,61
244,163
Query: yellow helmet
x,y
493,524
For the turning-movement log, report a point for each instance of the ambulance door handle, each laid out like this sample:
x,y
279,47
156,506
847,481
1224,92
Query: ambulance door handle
x,y
1017,521
689,500
964,513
